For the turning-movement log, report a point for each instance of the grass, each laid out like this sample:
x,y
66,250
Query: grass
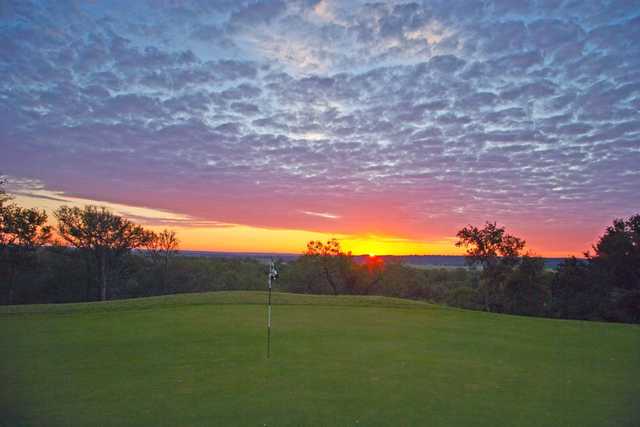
x,y
200,360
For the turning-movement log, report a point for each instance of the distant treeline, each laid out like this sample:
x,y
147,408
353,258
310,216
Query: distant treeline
x,y
96,259
419,261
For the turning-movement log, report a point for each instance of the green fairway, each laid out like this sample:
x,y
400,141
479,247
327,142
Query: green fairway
x,y
336,361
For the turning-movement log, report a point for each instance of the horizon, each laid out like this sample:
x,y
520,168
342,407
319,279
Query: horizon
x,y
259,126
369,255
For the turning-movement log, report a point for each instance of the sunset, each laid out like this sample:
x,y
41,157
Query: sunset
x,y
320,212
289,120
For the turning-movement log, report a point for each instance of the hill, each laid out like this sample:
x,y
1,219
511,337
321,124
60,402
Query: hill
x,y
199,359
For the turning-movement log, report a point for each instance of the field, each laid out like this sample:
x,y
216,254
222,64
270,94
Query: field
x,y
200,360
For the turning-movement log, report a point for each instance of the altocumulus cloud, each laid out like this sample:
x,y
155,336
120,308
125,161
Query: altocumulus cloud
x,y
447,112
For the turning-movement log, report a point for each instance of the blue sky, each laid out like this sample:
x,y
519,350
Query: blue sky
x,y
388,118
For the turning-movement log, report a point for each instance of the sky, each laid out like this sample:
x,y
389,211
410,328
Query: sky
x,y
257,126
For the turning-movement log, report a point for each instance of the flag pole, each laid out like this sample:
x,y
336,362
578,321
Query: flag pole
x,y
269,312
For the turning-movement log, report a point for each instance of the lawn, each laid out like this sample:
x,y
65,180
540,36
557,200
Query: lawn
x,y
200,359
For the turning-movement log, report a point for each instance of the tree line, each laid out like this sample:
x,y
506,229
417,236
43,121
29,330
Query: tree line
x,y
93,254
503,277
93,237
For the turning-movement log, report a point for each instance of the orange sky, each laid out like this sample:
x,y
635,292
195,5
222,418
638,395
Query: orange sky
x,y
228,237
241,238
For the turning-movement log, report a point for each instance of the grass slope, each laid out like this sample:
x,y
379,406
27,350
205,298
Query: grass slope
x,y
200,360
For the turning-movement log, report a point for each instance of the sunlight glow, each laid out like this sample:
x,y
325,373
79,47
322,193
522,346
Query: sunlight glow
x,y
394,245
208,235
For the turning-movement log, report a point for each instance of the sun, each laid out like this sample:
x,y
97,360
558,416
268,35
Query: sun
x,y
372,255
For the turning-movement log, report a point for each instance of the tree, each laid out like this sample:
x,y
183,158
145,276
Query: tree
x,y
526,290
464,297
577,291
162,248
375,268
4,197
497,253
617,258
333,263
490,246
606,285
106,237
399,280
618,251
22,232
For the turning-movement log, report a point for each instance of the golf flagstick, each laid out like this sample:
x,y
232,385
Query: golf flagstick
x,y
273,275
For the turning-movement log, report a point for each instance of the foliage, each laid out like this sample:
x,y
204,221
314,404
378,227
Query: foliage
x,y
162,248
4,197
99,263
576,292
22,232
526,289
465,297
104,236
23,227
325,267
333,264
605,286
618,252
617,262
490,246
498,253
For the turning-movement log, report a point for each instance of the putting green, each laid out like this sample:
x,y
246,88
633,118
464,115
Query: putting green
x,y
200,360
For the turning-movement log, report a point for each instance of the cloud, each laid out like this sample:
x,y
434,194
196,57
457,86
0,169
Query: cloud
x,y
394,114
325,215
257,12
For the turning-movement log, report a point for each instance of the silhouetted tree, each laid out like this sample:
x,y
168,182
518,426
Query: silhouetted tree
x,y
617,258
304,275
605,286
618,251
526,289
162,247
372,274
398,280
332,261
577,291
464,297
104,235
4,197
22,232
497,253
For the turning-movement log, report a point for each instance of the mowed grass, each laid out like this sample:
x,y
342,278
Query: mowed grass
x,y
336,361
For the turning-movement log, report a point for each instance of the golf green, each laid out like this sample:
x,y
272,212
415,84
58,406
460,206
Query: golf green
x,y
200,359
